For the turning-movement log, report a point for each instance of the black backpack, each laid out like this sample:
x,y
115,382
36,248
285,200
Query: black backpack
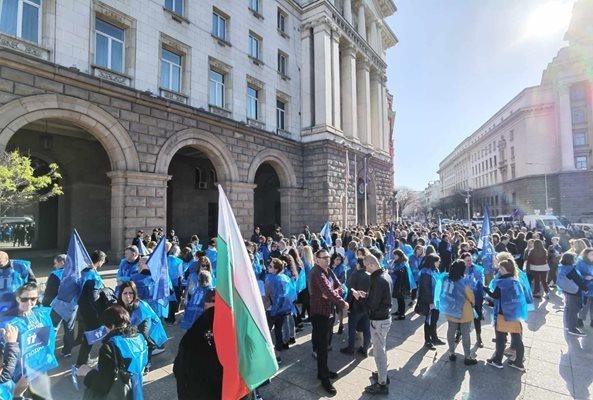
x,y
107,298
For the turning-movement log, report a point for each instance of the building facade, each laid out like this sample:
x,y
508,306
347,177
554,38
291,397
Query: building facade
x,y
146,109
536,152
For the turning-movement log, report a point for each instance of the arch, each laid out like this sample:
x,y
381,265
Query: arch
x,y
96,121
214,148
279,162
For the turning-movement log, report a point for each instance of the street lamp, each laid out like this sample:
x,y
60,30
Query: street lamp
x,y
545,182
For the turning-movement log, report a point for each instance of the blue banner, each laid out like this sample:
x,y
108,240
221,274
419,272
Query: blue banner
x,y
96,335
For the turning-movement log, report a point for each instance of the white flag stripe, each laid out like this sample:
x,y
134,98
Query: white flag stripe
x,y
243,277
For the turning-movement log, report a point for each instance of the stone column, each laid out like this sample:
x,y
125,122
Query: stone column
x,y
306,93
384,117
362,24
138,201
348,11
363,97
240,197
565,125
336,87
289,209
372,37
348,86
375,110
322,61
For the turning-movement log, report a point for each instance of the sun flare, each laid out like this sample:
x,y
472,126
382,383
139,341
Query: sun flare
x,y
548,19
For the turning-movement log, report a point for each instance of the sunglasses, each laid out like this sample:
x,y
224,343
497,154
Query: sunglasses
x,y
25,299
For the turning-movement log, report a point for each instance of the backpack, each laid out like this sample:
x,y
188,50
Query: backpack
x,y
107,298
121,389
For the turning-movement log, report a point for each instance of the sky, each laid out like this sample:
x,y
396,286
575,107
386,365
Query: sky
x,y
456,64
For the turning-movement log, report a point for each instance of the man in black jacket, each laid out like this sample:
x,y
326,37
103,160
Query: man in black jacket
x,y
358,316
378,304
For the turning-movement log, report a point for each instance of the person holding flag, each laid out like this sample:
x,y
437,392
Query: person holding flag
x,y
239,315
65,305
475,276
36,338
326,235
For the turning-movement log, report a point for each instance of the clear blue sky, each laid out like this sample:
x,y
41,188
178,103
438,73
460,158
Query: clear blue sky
x,y
456,64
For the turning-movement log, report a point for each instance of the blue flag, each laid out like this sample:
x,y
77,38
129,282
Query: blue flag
x,y
485,231
389,244
326,234
484,243
70,287
96,335
440,225
159,270
142,250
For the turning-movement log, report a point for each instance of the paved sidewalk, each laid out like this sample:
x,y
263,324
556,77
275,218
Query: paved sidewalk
x,y
558,366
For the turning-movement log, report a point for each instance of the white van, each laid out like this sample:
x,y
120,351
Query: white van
x,y
542,221
502,219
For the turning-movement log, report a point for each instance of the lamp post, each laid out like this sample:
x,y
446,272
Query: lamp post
x,y
545,182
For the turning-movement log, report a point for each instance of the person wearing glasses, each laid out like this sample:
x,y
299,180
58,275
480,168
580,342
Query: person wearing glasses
x,y
36,338
13,274
325,295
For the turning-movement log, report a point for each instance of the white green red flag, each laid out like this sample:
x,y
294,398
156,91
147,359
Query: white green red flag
x,y
241,333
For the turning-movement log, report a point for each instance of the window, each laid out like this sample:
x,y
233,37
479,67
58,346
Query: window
x,y
216,89
495,161
282,63
577,92
579,137
254,46
109,46
21,18
175,6
170,70
511,135
252,102
280,114
580,162
219,26
254,5
578,116
512,152
281,21
513,171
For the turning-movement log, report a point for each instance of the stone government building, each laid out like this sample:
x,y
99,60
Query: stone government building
x,y
147,105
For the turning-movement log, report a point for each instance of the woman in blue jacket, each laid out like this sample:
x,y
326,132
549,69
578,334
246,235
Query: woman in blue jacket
x,y
429,274
572,284
585,268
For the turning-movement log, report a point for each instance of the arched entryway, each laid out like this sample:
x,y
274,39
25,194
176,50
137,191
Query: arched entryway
x,y
87,143
266,199
192,196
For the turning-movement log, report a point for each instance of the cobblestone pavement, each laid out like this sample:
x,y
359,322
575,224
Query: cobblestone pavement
x,y
558,366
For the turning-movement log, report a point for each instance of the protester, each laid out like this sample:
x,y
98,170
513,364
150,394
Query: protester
x,y
425,305
358,316
13,274
400,275
9,357
585,267
378,305
571,283
122,359
457,303
128,266
326,295
475,276
195,301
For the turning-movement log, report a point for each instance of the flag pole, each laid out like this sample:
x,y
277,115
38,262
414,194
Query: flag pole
x,y
347,179
355,191
365,193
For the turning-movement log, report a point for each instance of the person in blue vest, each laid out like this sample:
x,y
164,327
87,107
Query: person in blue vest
x,y
279,296
175,266
571,283
415,261
143,317
9,357
585,268
36,338
128,266
194,306
13,274
456,303
51,291
211,253
90,306
510,308
123,349
425,305
475,275
340,269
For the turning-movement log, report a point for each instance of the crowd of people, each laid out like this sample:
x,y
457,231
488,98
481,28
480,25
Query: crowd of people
x,y
20,234
360,280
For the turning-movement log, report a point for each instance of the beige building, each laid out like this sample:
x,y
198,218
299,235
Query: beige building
x,y
536,152
146,108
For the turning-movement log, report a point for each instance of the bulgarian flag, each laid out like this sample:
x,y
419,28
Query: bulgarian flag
x,y
241,333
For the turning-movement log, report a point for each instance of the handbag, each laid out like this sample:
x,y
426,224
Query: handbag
x,y
121,389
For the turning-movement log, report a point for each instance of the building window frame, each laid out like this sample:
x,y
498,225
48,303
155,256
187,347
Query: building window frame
x,y
282,22
175,6
282,63
253,94
216,88
172,68
254,47
579,137
581,162
18,27
220,25
578,116
111,40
